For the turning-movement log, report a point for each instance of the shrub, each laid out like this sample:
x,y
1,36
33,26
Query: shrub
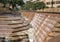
x,y
58,6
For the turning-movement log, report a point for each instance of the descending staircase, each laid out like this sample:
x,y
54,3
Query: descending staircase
x,y
46,26
14,27
54,34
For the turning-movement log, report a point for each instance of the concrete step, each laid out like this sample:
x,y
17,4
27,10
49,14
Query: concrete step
x,y
57,25
19,30
56,30
25,40
53,34
48,39
14,26
10,19
11,22
19,37
14,34
22,25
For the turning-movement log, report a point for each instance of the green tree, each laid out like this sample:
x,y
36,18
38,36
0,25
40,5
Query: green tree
x,y
12,2
4,2
28,5
20,2
34,5
39,5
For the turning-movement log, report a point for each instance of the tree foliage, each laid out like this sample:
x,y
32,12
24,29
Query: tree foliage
x,y
4,2
33,6
12,2
39,5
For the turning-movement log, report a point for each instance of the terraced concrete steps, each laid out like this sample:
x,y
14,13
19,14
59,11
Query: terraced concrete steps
x,y
11,24
45,26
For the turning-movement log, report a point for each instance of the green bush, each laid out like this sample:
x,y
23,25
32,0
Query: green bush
x,y
46,7
58,6
33,6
